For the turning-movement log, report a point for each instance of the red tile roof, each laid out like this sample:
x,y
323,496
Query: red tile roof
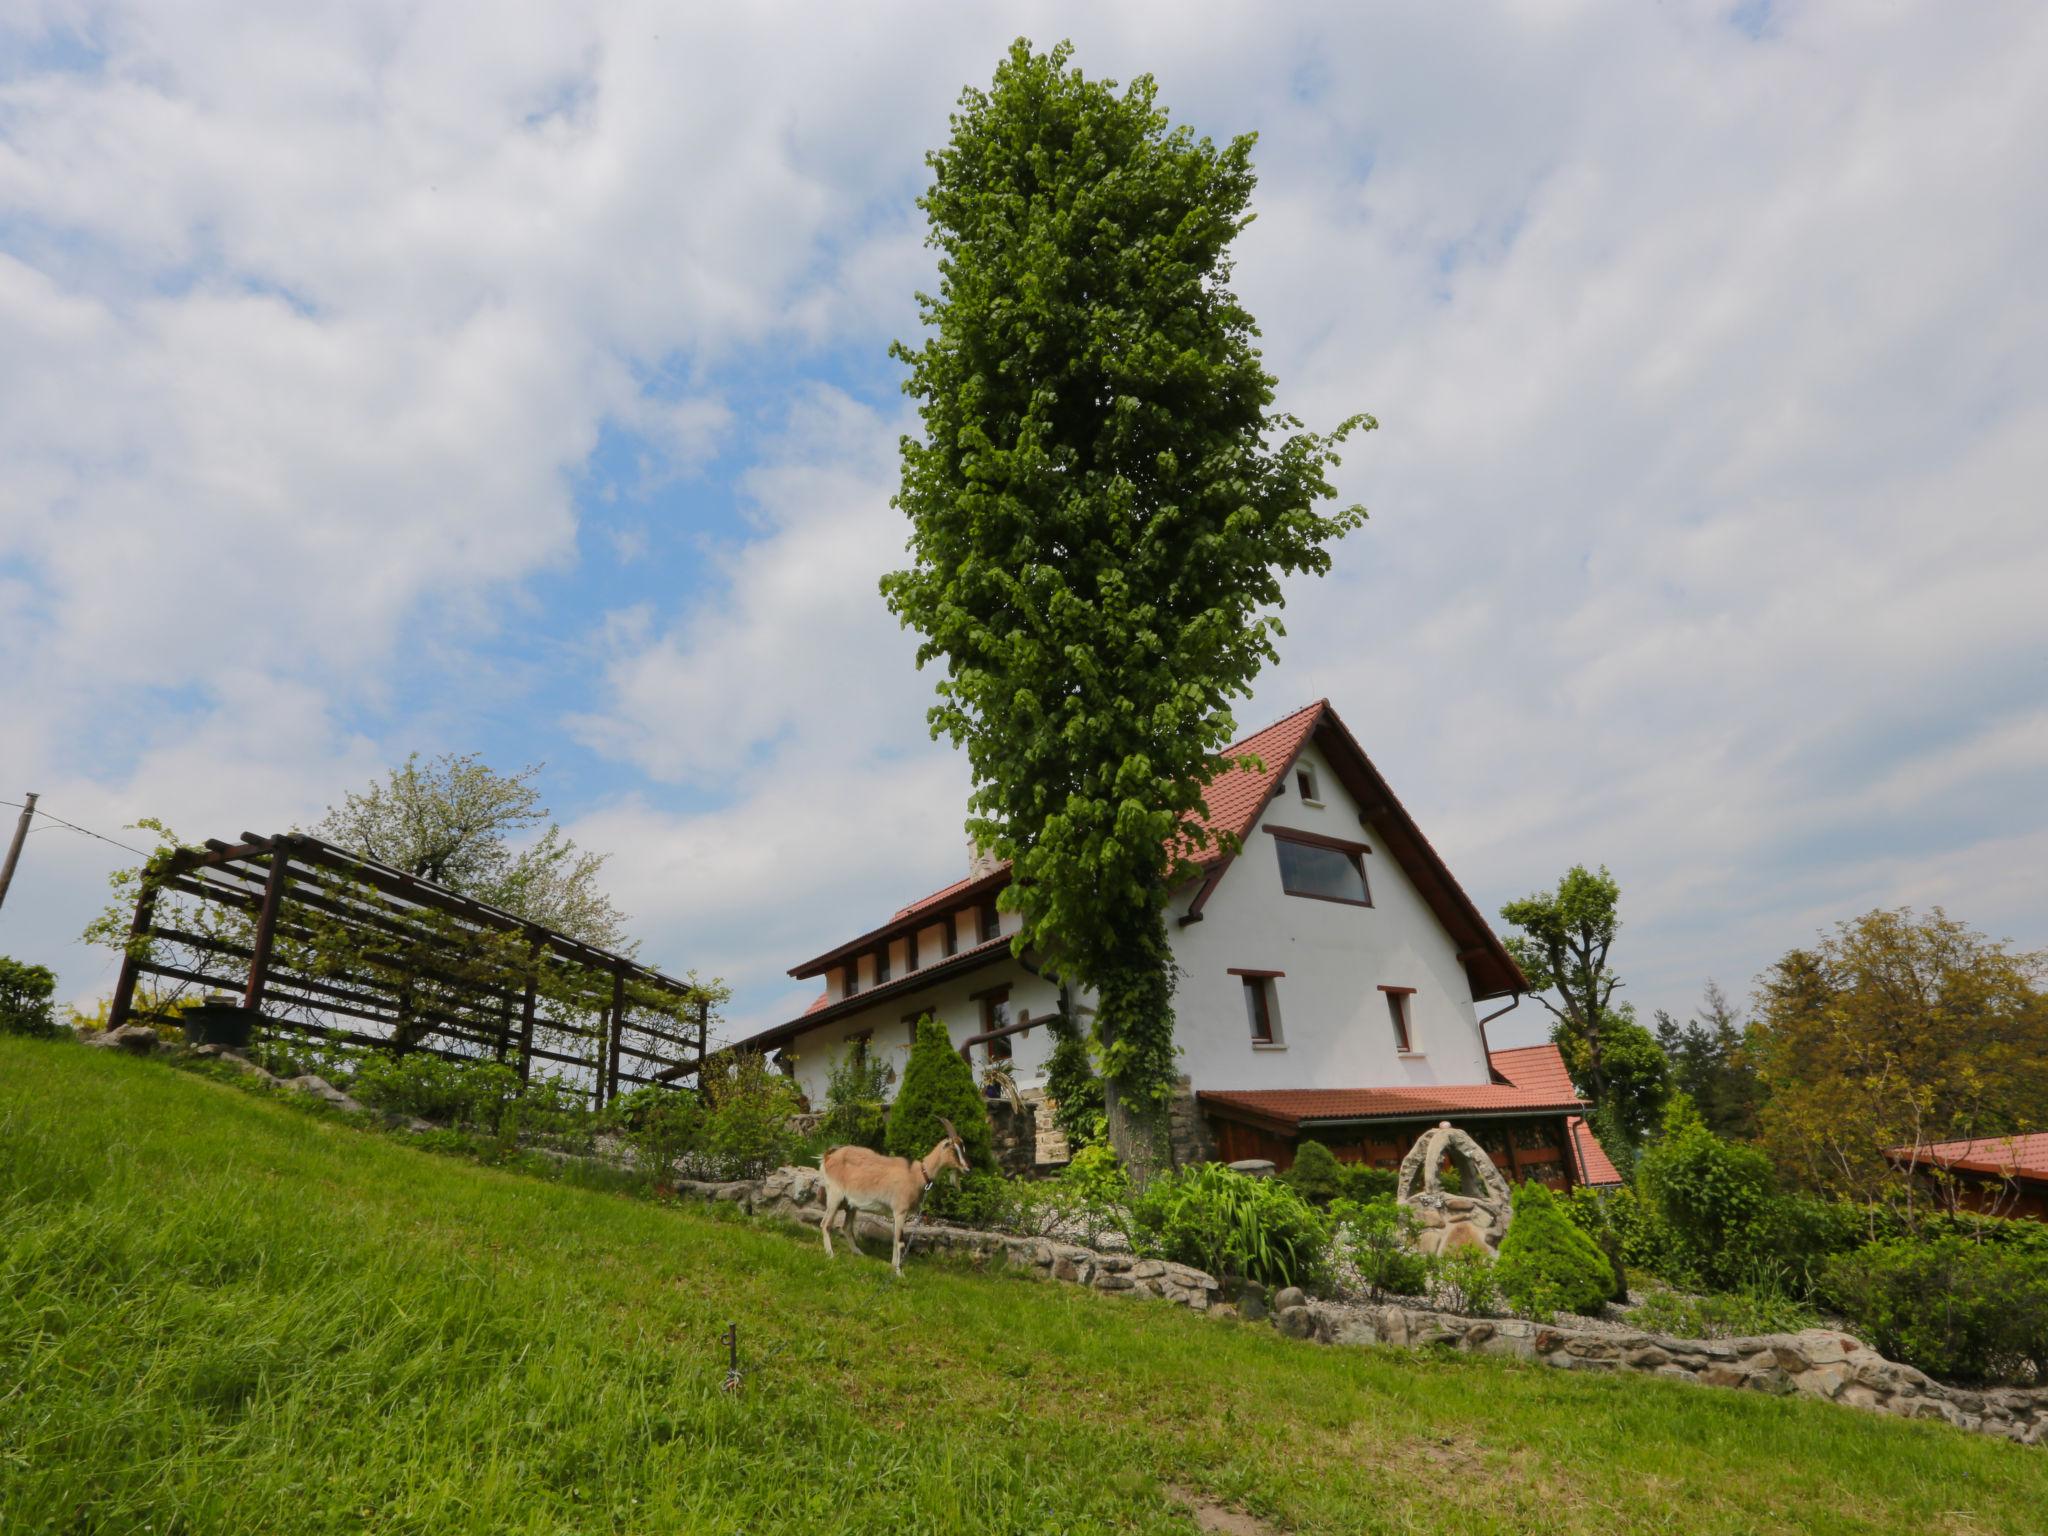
x,y
1304,1106
1536,1066
1541,1069
1235,797
2005,1157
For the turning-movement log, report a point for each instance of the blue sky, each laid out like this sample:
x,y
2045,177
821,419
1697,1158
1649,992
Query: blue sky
x,y
430,376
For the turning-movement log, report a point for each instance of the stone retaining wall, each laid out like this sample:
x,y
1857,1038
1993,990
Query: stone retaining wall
x,y
1821,1363
1818,1362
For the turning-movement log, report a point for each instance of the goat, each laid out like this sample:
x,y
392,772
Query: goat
x,y
861,1180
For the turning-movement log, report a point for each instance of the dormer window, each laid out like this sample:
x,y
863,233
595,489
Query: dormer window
x,y
851,979
991,923
1305,782
881,965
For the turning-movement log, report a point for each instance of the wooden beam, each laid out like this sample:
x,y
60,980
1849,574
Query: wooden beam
x,y
266,930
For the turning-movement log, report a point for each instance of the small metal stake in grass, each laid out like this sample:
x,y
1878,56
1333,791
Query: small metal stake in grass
x,y
732,1357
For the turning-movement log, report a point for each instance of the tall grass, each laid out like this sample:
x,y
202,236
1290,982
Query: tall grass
x,y
218,1315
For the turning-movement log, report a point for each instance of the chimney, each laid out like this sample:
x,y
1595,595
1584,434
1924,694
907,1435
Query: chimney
x,y
979,860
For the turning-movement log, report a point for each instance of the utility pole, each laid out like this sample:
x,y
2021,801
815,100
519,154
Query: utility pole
x,y
28,813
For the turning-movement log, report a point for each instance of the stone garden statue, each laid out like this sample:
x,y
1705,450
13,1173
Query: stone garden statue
x,y
1475,1218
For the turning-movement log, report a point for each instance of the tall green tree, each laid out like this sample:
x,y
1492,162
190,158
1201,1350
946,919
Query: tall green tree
x,y
1102,504
1897,1030
457,821
1637,1077
1711,1065
1562,948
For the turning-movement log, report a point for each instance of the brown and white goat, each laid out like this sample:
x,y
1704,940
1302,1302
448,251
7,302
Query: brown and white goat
x,y
861,1180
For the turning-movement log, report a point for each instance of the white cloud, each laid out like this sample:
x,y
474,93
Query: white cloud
x,y
1713,375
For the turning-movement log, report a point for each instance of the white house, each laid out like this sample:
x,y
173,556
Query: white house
x,y
1332,973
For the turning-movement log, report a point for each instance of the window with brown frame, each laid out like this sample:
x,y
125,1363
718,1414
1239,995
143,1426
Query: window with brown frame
x,y
1259,1009
1321,868
860,1044
1397,1010
1305,781
910,951
882,965
991,924
995,1013
852,978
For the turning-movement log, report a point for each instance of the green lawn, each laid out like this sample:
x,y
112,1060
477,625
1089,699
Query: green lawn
x,y
218,1313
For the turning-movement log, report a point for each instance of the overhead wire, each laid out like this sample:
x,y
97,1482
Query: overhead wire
x,y
73,826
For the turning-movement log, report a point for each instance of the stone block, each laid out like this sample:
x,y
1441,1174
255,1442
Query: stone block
x,y
1297,1322
1290,1296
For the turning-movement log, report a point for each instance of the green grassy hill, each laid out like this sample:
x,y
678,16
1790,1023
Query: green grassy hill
x,y
218,1313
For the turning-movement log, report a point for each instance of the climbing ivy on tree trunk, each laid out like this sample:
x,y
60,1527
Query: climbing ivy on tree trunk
x,y
1102,504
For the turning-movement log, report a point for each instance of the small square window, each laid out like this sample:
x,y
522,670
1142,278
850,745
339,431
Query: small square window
x,y
1305,781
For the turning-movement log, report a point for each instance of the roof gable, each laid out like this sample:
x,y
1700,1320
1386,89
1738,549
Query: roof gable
x,y
1236,798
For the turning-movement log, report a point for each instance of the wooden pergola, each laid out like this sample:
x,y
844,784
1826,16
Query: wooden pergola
x,y
326,944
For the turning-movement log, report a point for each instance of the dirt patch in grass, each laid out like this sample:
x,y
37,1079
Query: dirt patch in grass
x,y
1211,1516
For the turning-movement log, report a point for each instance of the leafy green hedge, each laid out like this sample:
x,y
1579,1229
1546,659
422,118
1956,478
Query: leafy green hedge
x,y
1320,1179
25,992
1957,1309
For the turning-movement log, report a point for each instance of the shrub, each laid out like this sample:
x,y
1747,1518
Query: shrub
x,y
454,1092
1728,1315
1379,1234
1095,1174
25,999
985,1200
1463,1280
1073,1086
1547,1262
663,1126
1964,1311
746,1129
937,1082
1223,1222
1318,1177
856,1111
1713,1203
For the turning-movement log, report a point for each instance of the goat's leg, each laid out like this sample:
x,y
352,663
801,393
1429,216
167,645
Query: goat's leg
x,y
896,1252
825,1226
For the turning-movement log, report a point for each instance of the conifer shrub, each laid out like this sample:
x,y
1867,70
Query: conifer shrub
x,y
1546,1262
937,1082
1319,1178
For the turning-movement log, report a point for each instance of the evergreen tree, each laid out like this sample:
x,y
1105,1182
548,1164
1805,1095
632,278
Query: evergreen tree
x,y
938,1082
1102,505
1546,1262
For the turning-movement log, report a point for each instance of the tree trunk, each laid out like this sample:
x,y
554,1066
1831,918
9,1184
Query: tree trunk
x,y
1139,1134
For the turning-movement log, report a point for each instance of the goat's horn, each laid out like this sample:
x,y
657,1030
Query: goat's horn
x,y
949,1127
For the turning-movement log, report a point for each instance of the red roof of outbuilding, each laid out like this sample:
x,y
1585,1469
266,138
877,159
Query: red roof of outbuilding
x,y
1541,1069
2005,1157
1306,1106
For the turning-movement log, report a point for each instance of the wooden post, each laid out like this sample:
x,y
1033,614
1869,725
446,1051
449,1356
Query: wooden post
x,y
124,989
608,1077
266,927
526,1007
28,814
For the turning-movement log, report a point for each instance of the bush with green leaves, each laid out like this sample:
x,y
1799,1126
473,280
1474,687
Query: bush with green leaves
x,y
856,1101
1073,1086
1714,1204
1223,1222
1379,1238
1546,1262
1318,1177
1724,1315
452,1092
938,1083
25,992
1960,1310
1463,1280
747,1109
1096,1173
662,1125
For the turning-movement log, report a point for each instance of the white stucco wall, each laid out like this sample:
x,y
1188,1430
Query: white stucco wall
x,y
1334,1027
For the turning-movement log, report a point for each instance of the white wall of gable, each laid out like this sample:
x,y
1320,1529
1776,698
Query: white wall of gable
x,y
1334,1025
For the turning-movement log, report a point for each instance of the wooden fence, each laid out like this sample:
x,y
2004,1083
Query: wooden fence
x,y
325,944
